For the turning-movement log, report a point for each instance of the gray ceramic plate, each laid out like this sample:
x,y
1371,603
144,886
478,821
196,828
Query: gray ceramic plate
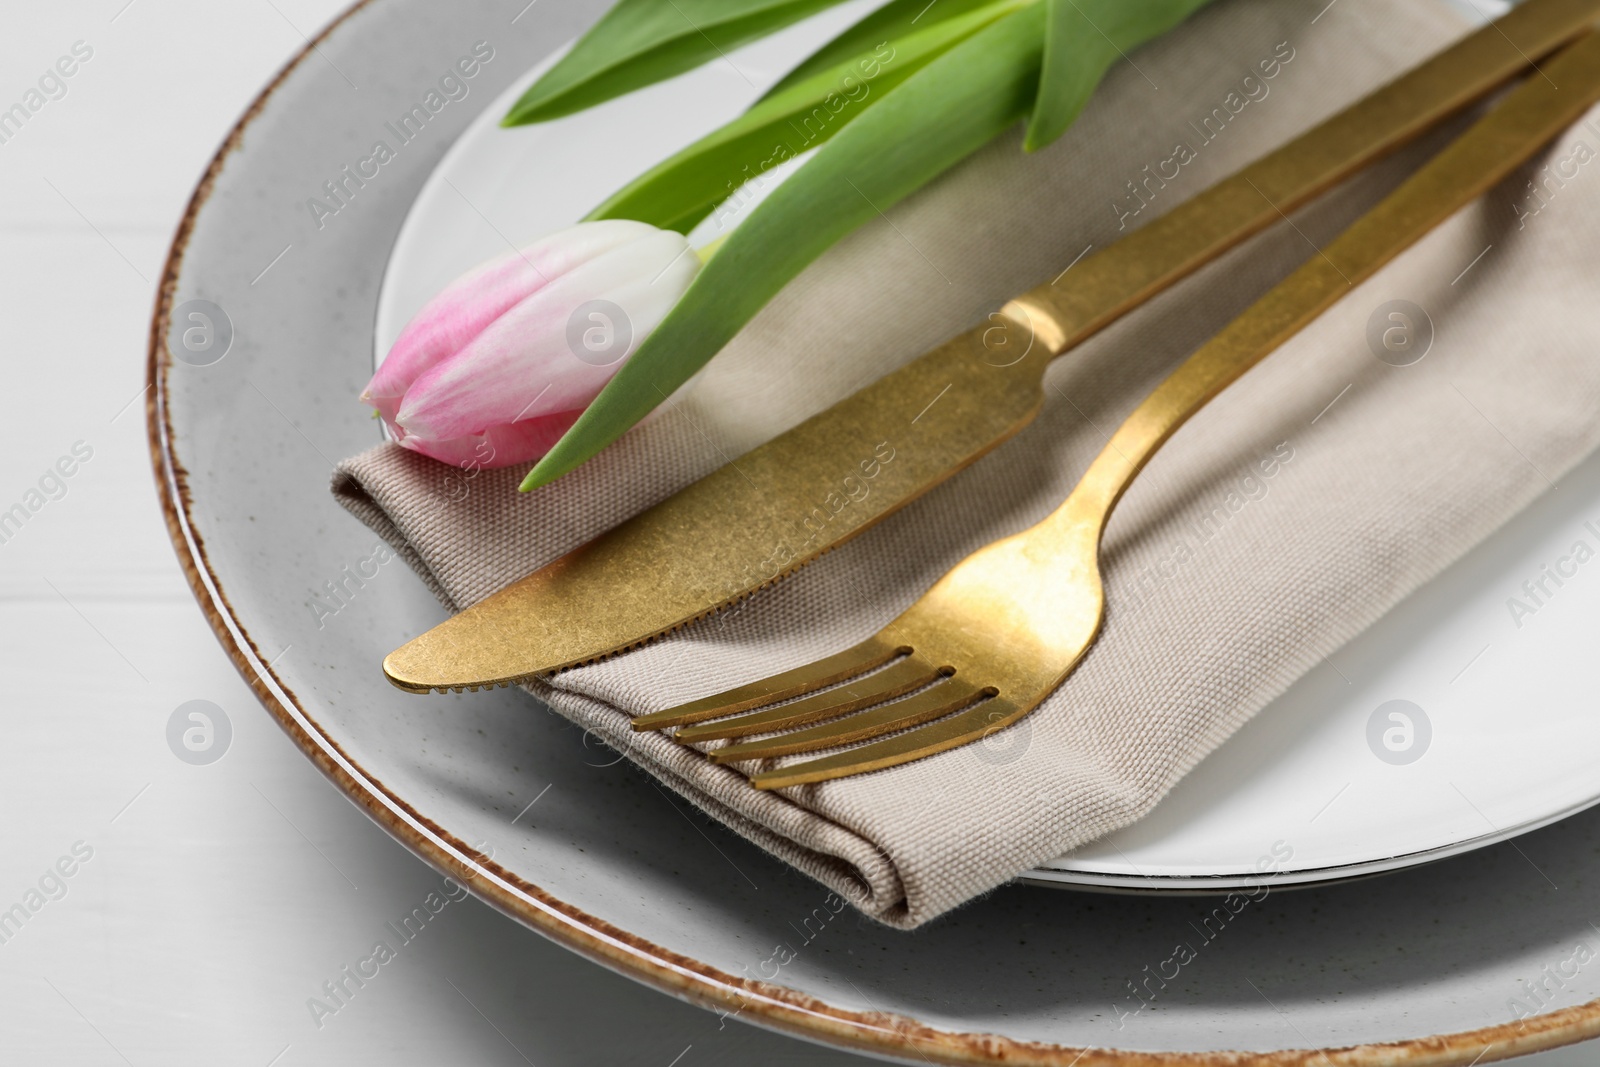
x,y
1469,960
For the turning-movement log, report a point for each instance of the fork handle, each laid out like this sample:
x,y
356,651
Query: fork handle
x,y
1549,101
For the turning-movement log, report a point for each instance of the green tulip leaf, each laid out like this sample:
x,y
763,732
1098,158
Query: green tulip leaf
x,y
891,22
932,120
641,42
1082,39
679,192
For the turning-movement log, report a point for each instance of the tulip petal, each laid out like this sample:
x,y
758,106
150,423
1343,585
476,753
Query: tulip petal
x,y
464,308
556,349
498,446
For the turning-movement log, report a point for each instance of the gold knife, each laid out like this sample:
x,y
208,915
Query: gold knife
x,y
786,502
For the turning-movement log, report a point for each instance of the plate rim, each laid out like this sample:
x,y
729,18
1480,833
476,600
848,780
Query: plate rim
x,y
1308,878
777,1007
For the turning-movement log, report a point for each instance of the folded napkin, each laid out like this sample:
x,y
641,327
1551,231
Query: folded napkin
x,y
1290,514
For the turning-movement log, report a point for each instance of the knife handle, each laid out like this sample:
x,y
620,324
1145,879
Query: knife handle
x,y
1063,313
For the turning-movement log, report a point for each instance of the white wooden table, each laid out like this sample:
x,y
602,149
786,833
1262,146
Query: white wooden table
x,y
205,904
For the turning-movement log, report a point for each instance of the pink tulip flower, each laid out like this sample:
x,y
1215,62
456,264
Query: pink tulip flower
x,y
496,367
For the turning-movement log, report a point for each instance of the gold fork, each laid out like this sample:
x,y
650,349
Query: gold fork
x,y
999,632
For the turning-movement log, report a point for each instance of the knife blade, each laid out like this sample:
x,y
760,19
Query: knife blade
x,y
811,489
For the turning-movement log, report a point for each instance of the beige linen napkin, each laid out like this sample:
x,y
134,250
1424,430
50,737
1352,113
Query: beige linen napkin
x,y
1294,511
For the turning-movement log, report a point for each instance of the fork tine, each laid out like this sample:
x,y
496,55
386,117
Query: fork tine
x,y
895,680
937,736
873,652
929,704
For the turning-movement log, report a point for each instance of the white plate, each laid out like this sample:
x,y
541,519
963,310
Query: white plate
x,y
1500,727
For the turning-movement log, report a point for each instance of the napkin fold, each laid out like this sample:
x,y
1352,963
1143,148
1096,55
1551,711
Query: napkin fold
x,y
1291,513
